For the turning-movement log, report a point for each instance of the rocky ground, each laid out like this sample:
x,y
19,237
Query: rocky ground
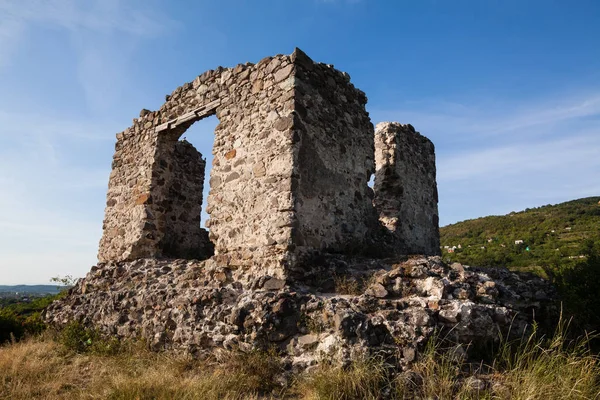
x,y
359,307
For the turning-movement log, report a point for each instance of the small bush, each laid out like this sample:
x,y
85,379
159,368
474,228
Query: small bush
x,y
79,339
579,286
14,326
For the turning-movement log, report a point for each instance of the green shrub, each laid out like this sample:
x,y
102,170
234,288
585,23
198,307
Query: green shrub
x,y
74,336
11,326
19,319
15,325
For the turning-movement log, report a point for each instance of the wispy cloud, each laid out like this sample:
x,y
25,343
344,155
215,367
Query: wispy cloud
x,y
10,30
523,158
53,177
104,35
30,124
104,16
483,118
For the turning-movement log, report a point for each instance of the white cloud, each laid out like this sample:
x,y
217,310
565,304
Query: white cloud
x,y
574,153
482,119
25,125
54,168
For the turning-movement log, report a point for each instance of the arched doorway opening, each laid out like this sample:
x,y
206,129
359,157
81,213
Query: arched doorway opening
x,y
181,182
201,136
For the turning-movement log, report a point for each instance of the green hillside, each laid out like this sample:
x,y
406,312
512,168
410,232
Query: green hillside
x,y
553,236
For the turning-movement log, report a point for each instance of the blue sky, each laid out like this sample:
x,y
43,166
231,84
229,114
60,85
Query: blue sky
x,y
508,91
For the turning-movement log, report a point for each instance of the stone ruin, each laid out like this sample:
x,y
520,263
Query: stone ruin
x,y
293,154
302,254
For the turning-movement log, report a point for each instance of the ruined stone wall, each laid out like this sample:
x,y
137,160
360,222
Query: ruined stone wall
x,y
250,201
250,175
334,159
293,153
129,193
405,187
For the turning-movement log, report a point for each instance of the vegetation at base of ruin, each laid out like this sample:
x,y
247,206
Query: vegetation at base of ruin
x,y
78,339
535,367
344,284
579,286
560,242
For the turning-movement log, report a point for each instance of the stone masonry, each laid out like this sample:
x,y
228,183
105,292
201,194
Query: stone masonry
x,y
333,161
293,153
405,188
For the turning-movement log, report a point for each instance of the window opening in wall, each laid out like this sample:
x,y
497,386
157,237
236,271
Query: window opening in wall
x,y
182,185
371,182
202,136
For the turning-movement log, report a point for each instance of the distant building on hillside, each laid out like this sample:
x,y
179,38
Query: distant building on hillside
x,y
518,241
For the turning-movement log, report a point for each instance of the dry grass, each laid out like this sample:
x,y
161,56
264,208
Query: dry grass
x,y
41,368
347,285
531,369
540,368
364,379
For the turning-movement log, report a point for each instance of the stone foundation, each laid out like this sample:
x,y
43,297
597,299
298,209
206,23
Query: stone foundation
x,y
397,305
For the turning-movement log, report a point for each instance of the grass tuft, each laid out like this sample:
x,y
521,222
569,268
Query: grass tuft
x,y
363,379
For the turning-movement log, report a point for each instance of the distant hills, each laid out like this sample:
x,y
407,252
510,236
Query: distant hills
x,y
32,289
548,236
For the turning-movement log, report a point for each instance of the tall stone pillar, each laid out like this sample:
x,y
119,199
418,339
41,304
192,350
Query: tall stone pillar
x,y
406,196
